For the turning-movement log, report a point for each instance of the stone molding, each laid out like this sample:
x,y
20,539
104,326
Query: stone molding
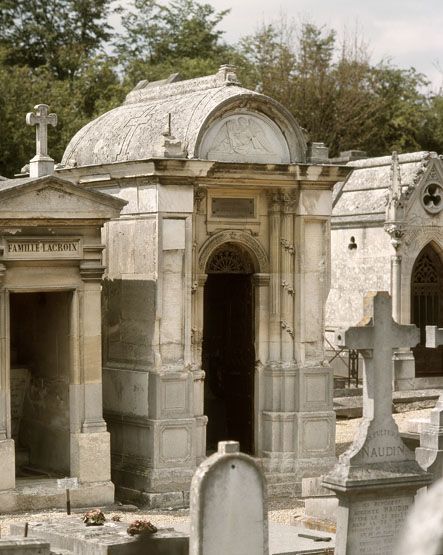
x,y
90,270
261,260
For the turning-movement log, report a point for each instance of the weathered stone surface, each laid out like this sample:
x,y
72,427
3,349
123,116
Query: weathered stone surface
x,y
228,505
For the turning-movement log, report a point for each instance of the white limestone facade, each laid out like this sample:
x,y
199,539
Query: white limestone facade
x,y
218,270
386,235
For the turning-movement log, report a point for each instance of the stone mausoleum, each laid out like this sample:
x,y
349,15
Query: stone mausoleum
x,y
217,274
387,234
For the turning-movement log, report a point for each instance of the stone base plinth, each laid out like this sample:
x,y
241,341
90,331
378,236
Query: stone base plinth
x,y
91,457
373,505
41,494
7,458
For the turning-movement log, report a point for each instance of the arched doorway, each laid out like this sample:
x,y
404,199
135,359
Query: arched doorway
x,y
228,347
427,309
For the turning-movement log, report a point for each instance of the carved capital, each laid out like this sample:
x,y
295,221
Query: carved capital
x,y
261,280
396,232
199,196
2,273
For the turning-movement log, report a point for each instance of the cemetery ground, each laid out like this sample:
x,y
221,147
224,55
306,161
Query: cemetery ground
x,y
282,510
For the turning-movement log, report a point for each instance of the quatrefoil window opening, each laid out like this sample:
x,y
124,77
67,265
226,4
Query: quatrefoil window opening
x,y
432,198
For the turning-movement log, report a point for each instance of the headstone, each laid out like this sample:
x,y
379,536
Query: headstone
x,y
430,453
228,505
376,479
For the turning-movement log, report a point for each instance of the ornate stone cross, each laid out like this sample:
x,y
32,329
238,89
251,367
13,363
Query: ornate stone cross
x,y
376,336
41,164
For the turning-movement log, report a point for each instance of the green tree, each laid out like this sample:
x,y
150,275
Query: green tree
x,y
59,34
160,39
334,92
75,102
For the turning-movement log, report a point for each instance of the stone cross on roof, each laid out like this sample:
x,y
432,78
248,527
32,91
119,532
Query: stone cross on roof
x,y
41,164
375,337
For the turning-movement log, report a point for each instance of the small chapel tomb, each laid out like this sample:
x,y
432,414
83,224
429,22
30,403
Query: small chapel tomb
x,y
51,421
217,277
376,479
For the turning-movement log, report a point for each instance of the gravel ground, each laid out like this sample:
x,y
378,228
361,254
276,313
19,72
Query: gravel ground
x,y
281,510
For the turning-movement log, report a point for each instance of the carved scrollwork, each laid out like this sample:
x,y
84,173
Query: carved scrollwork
x,y
288,287
286,326
199,195
288,246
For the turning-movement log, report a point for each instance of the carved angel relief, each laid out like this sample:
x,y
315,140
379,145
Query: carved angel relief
x,y
245,138
241,135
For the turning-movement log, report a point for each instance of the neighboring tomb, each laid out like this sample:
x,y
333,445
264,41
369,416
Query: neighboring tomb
x,y
218,271
377,478
386,233
51,421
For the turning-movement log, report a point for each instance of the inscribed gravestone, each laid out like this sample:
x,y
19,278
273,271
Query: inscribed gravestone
x,y
228,505
430,453
376,479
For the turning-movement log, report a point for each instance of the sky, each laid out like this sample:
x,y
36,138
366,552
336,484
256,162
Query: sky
x,y
408,32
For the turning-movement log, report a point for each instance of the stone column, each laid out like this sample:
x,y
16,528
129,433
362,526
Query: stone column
x,y
274,262
90,442
198,287
7,449
287,279
396,287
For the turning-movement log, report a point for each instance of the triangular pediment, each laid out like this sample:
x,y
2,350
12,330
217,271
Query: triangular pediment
x,y
53,198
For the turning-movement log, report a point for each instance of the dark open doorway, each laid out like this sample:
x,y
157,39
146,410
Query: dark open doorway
x,y
40,374
427,309
228,350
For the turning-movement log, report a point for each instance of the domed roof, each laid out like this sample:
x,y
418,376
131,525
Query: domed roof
x,y
209,117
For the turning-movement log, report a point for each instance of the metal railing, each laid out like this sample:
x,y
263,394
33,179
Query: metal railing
x,y
350,359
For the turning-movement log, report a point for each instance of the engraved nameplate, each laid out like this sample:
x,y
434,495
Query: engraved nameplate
x,y
233,207
36,249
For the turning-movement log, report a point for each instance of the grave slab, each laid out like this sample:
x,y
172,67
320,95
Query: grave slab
x,y
377,478
72,535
